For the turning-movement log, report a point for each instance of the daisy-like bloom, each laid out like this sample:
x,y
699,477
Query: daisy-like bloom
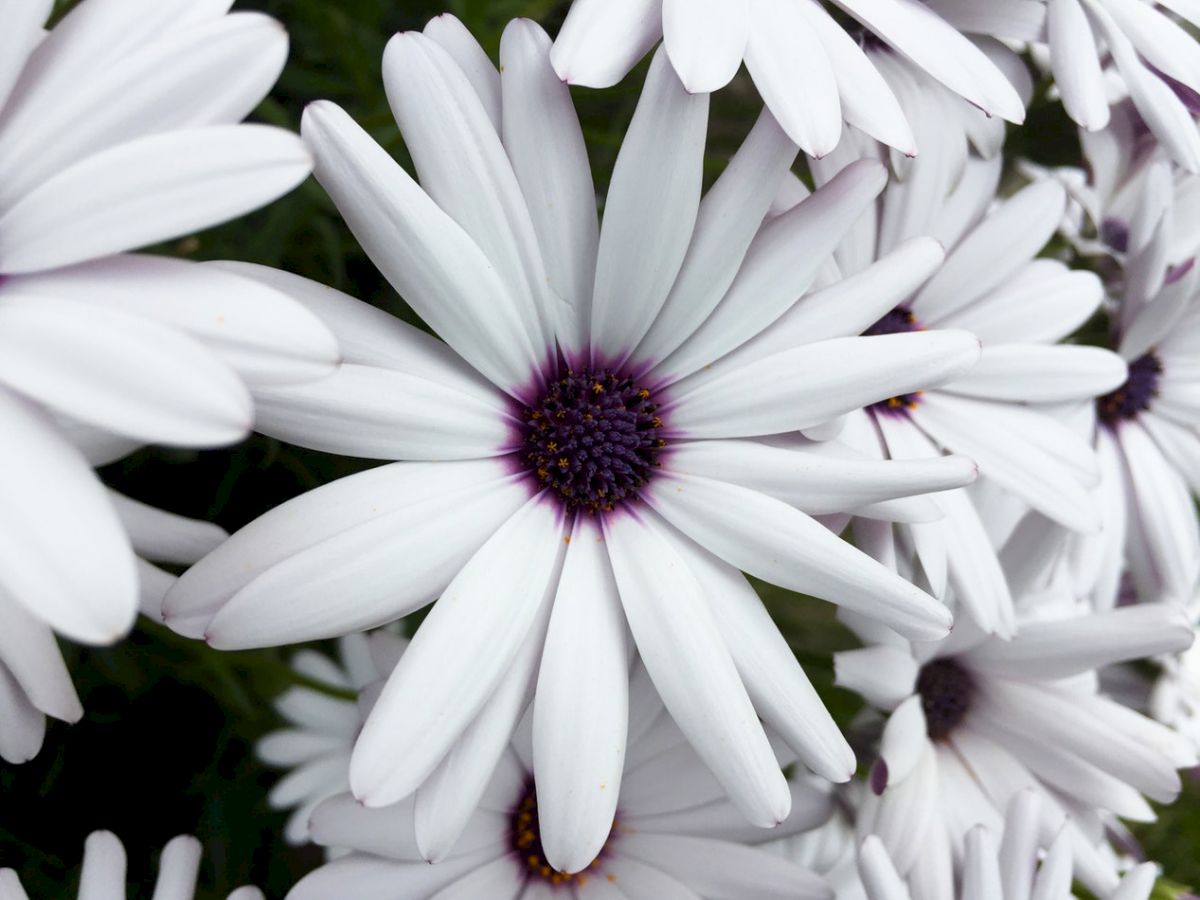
x,y
118,129
974,719
103,875
1156,58
1002,413
322,727
676,834
577,456
999,868
812,73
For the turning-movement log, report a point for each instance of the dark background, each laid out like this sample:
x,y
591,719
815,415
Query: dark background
x,y
165,746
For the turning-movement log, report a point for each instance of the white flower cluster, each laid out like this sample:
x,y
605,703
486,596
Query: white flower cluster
x,y
958,402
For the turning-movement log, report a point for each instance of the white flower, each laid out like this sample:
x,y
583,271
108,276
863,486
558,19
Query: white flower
x,y
578,457
1003,412
103,875
812,74
996,868
676,834
974,719
1175,700
118,129
322,728
1156,58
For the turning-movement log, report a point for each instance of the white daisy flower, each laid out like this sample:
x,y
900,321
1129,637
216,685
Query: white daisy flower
x,y
576,453
1157,59
1002,413
676,834
322,727
999,868
103,875
974,719
118,129
812,73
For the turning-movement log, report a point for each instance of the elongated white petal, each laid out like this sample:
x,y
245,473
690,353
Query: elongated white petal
x,y
544,140
103,872
368,877
731,215
1034,373
651,210
163,536
771,540
377,413
30,656
401,532
771,279
878,872
581,712
706,40
458,656
806,386
883,675
691,665
455,38
256,330
23,29
63,552
211,74
601,40
120,372
20,740
794,74
424,253
1138,884
462,166
149,190
1076,64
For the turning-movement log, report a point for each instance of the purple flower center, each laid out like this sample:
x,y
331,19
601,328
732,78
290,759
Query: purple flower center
x,y
527,845
1135,395
898,321
946,689
593,439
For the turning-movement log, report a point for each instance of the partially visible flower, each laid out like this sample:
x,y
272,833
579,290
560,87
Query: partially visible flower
x,y
577,457
118,130
322,728
676,834
999,868
811,72
974,719
103,875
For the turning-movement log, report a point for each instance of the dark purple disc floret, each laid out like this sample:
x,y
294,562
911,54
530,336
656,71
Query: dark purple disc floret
x,y
1135,395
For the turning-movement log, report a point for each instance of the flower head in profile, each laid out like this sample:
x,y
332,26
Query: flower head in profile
x,y
575,457
119,129
675,833
103,874
812,72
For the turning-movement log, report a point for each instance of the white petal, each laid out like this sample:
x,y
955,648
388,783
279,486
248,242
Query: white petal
x,y
459,655
706,40
163,536
581,712
30,656
601,40
771,540
23,29
178,868
808,385
377,413
639,880
545,143
456,39
818,483
771,278
20,740
120,372
1035,373
103,873
398,534
650,213
63,552
1054,876
367,877
904,740
1004,241
1138,884
210,74
500,879
731,215
691,665
259,332
424,253
794,75
878,872
940,50
883,675
462,166
1076,64
149,190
